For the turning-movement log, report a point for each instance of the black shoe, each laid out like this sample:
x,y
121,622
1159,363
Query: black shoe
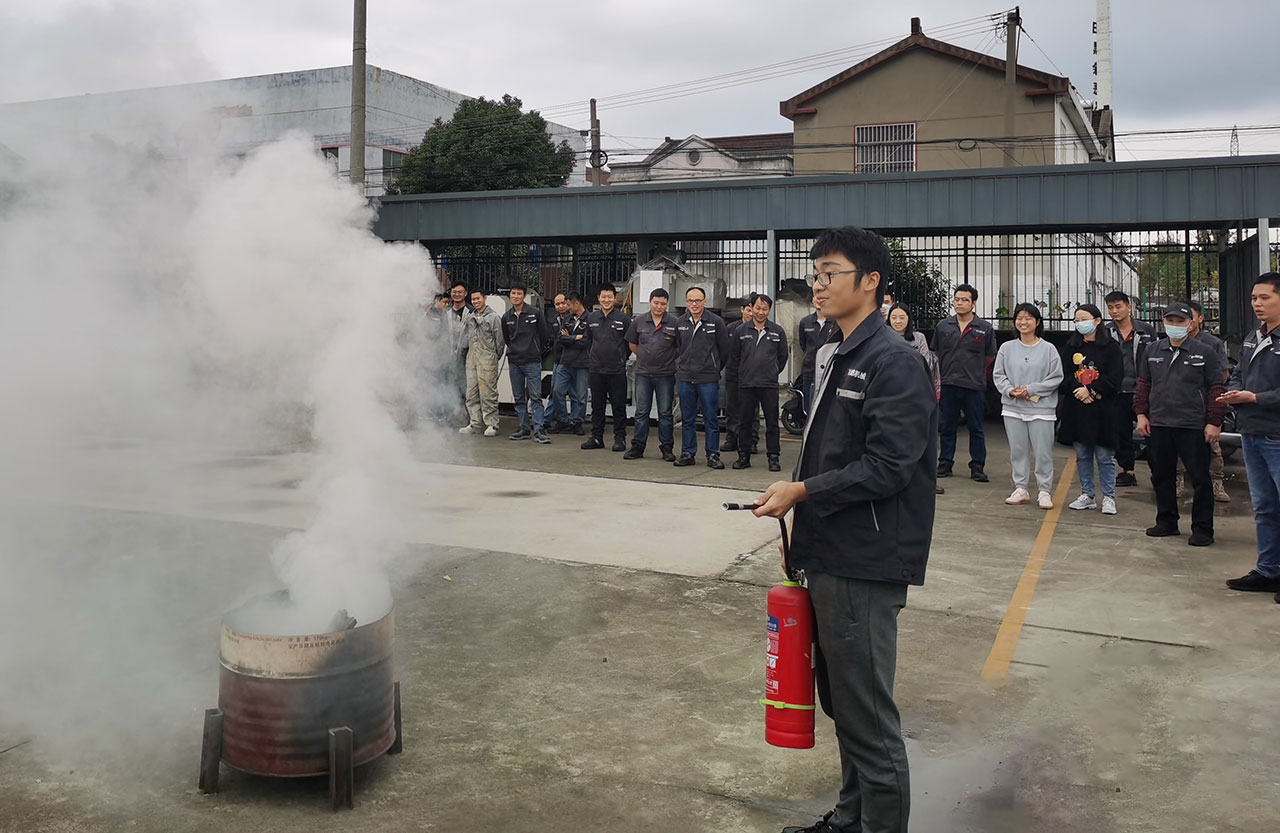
x,y
774,463
541,438
713,462
754,450
685,460
578,429
1200,539
521,434
823,825
730,443
555,427
944,470
1255,582
1125,479
667,456
592,443
1162,532
635,452
619,444
743,461
976,473
938,490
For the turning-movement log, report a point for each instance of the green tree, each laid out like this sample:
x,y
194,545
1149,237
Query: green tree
x,y
486,146
1162,269
918,286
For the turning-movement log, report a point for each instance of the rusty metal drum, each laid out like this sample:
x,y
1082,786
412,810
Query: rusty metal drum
x,y
280,695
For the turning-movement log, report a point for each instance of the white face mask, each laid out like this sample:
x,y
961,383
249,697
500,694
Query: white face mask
x,y
1085,328
884,309
1176,332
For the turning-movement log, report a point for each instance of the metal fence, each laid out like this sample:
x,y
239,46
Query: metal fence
x,y
1056,271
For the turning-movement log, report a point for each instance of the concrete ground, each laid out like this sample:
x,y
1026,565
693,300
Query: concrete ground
x,y
580,643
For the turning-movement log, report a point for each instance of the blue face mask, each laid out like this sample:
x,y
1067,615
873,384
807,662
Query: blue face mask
x,y
1085,328
1175,332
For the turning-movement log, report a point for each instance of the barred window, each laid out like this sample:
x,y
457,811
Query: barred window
x,y
886,148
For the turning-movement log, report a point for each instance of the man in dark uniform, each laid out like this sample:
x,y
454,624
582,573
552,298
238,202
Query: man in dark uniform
x,y
572,374
525,332
864,506
731,386
965,345
1134,336
759,352
609,353
653,340
703,340
1179,411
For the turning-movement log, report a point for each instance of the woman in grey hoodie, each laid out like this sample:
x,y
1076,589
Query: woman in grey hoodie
x,y
1027,373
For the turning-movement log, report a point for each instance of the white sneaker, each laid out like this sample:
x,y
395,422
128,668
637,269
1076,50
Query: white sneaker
x,y
491,431
1046,500
1018,496
1108,505
467,429
1083,502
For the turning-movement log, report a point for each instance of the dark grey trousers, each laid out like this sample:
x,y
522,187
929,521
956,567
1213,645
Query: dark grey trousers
x,y
857,628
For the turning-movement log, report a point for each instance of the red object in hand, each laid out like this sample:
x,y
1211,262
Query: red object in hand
x,y
1087,376
788,671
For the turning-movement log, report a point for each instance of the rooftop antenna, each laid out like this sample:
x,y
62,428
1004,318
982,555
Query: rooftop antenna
x,y
1235,140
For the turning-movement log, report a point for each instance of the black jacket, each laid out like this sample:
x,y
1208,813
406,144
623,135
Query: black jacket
x,y
730,369
759,358
1096,423
1178,386
811,335
704,347
868,460
1259,371
656,349
574,351
609,348
525,337
1132,350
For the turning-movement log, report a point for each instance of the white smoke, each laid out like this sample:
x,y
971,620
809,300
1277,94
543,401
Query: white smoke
x,y
174,300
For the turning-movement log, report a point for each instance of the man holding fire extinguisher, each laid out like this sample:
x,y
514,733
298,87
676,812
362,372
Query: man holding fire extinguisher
x,y
863,495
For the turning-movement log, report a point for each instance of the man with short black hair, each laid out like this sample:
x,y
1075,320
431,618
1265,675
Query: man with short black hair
x,y
653,341
1133,336
1254,390
965,345
609,352
559,412
730,428
525,332
703,340
1180,414
864,509
572,376
759,352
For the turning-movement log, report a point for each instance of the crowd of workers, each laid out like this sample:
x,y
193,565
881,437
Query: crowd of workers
x,y
1113,373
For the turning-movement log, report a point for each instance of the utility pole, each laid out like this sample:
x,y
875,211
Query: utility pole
x,y
358,94
1012,23
595,145
1011,26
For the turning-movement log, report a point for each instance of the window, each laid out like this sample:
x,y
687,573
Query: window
x,y
391,161
885,148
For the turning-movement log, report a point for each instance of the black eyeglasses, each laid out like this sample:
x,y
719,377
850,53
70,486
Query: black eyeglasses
x,y
824,278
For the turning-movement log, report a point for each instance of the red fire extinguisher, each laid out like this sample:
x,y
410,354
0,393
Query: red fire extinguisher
x,y
789,659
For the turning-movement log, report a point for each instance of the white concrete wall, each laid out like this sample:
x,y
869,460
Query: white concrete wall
x,y
237,114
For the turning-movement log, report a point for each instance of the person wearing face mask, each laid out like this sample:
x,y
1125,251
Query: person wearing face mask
x,y
1091,416
1027,373
887,304
1180,413
1217,466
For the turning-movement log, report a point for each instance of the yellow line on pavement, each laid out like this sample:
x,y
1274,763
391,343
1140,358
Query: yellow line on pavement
x,y
1002,650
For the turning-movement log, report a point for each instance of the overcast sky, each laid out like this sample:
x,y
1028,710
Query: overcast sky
x,y
1175,67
